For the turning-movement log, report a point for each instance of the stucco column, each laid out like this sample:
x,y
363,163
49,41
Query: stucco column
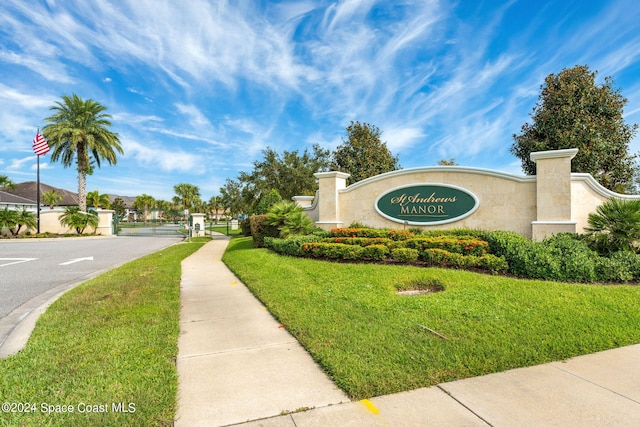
x,y
329,184
553,193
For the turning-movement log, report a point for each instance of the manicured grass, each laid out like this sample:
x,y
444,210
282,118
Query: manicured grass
x,y
107,345
372,341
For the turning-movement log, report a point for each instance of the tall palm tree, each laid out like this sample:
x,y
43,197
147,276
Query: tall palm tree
x,y
78,130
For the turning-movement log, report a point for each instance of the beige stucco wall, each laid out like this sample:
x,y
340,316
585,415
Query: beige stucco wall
x,y
49,223
554,201
501,197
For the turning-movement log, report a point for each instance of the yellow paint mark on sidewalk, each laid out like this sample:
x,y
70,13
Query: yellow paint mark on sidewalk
x,y
234,283
370,406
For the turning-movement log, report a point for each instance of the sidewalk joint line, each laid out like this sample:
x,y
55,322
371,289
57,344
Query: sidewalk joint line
x,y
463,405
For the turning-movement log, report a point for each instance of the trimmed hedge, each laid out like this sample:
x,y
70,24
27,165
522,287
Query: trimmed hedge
x,y
291,246
404,254
463,245
333,250
371,232
563,257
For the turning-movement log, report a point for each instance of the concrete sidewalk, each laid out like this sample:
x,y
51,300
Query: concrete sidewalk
x,y
236,366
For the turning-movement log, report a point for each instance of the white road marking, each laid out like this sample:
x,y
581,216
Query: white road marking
x,y
89,258
14,261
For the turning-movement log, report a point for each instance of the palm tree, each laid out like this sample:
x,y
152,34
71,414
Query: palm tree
x,y
6,183
615,226
79,130
96,200
187,195
75,218
51,198
144,202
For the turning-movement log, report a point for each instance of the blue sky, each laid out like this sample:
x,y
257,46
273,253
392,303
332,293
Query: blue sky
x,y
198,88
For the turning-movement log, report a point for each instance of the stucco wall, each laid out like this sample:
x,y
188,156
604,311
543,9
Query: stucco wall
x,y
505,201
535,206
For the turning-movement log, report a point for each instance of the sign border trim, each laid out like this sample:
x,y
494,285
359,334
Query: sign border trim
x,y
437,184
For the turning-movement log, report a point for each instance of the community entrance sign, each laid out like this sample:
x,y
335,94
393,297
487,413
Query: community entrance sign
x,y
426,204
553,201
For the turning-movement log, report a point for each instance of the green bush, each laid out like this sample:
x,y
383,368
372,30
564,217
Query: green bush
x,y
371,232
360,241
245,226
291,246
333,250
375,252
404,254
261,229
463,245
577,262
492,263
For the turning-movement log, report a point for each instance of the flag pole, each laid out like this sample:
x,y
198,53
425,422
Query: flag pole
x,y
38,187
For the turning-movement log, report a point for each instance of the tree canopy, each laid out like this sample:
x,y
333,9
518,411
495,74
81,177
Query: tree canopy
x,y
363,154
573,111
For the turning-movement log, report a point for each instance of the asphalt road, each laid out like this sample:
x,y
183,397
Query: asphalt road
x,y
32,270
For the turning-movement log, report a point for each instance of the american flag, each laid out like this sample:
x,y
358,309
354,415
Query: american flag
x,y
40,145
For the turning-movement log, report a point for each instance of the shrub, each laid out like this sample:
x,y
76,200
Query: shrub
x,y
371,232
615,226
245,226
333,250
260,229
375,252
291,246
492,263
360,241
464,245
577,262
404,254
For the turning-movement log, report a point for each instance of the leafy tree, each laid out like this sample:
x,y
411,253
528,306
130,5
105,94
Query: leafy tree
x,y
6,183
615,226
290,173
145,203
363,154
78,130
95,199
120,209
574,112
267,201
51,198
73,217
232,197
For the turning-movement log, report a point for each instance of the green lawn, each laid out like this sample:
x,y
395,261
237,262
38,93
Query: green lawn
x,y
108,345
372,341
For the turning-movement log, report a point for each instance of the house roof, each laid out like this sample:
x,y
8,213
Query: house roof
x,y
13,199
25,193
28,190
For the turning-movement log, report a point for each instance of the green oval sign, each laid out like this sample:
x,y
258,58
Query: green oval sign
x,y
427,204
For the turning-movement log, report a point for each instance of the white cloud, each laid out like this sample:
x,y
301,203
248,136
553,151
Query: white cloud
x,y
163,158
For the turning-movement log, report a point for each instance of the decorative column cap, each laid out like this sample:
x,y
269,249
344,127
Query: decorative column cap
x,y
332,174
553,154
